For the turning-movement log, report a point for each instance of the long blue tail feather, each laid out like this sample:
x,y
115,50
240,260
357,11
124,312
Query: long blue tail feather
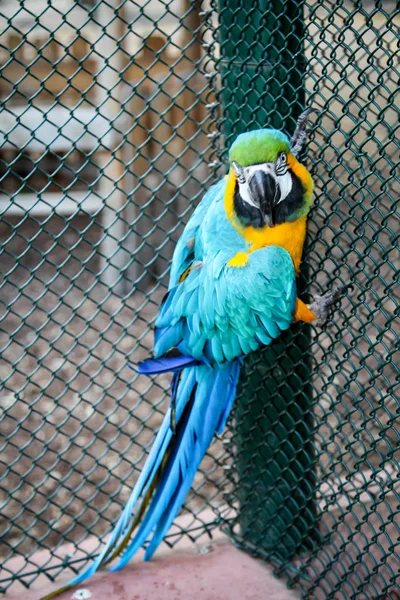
x,y
203,397
214,391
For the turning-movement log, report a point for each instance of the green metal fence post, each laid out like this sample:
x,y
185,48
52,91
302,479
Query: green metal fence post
x,y
262,71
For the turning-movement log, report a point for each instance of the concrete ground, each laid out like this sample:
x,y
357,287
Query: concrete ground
x,y
205,571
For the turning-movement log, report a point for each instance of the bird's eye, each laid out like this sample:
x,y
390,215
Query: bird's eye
x,y
281,164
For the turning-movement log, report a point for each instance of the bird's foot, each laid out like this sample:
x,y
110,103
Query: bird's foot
x,y
300,135
321,305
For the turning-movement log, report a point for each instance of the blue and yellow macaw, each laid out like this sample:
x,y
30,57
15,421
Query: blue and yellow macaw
x,y
232,291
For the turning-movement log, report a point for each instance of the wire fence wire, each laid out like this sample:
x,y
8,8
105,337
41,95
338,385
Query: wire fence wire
x,y
115,119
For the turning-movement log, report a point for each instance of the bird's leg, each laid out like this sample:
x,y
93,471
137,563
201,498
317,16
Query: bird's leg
x,y
303,313
321,305
319,308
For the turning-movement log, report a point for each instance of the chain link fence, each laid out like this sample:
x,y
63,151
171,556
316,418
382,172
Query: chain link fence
x,y
116,117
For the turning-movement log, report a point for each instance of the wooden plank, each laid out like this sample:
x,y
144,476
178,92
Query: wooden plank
x,y
113,257
136,154
42,128
44,204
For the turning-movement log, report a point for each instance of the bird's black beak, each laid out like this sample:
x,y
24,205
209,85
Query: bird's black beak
x,y
265,193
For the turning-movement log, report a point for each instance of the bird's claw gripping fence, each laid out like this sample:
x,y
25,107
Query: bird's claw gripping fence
x,y
116,117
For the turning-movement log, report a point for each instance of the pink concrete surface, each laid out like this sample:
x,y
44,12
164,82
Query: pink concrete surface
x,y
223,573
186,572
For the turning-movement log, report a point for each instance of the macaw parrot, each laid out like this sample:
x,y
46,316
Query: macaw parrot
x,y
232,291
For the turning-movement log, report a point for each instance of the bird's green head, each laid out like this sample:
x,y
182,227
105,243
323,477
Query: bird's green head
x,y
272,187
258,147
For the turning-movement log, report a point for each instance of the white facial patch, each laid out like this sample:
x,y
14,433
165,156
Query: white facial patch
x,y
285,184
245,194
243,182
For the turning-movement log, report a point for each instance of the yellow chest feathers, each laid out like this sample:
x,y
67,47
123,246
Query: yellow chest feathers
x,y
290,236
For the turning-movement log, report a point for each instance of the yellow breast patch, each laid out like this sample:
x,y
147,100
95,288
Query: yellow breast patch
x,y
239,260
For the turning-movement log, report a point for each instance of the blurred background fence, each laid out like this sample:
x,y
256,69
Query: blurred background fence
x,y
113,124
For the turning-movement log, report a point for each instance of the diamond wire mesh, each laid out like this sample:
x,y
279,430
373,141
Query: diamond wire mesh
x,y
104,148
351,75
111,112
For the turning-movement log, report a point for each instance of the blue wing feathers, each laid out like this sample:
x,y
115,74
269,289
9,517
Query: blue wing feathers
x,y
192,304
182,250
166,338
